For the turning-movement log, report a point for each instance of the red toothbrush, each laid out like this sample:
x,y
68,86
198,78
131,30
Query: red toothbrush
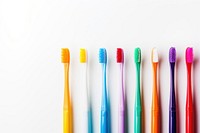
x,y
189,104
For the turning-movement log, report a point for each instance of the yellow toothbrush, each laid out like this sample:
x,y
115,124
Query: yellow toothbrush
x,y
86,124
65,59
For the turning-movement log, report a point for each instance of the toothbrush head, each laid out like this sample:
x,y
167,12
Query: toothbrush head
x,y
137,55
65,55
189,55
172,55
120,55
102,55
83,55
154,55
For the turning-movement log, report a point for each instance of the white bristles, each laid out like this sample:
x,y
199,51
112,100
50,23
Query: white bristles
x,y
154,55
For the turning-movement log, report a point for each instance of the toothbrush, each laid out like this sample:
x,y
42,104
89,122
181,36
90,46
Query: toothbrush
x,y
65,59
189,106
138,107
155,106
85,105
120,61
172,102
104,104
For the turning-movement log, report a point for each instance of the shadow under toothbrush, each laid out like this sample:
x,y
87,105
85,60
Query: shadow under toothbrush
x,y
142,96
108,97
195,95
177,95
71,117
109,115
159,93
126,118
126,115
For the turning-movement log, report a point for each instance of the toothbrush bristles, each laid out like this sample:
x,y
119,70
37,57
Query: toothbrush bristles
x,y
120,55
65,55
189,55
102,55
154,55
83,55
137,55
172,55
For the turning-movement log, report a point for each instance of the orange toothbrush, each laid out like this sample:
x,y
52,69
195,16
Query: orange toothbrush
x,y
65,59
155,106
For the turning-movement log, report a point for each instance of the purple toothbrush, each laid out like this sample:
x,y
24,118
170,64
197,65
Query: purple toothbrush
x,y
172,102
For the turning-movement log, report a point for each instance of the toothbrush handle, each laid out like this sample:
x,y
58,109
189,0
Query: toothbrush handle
x,y
66,121
154,122
155,105
172,104
121,121
85,125
89,121
122,102
189,121
189,104
104,121
189,113
137,121
172,121
138,108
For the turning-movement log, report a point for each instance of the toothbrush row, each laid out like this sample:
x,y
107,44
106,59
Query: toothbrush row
x,y
105,114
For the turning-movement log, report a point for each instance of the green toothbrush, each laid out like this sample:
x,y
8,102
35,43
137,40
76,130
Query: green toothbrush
x,y
138,107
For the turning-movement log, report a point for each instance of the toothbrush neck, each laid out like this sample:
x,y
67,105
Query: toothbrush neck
x,y
84,74
172,91
137,94
122,75
155,104
122,86
66,74
172,65
84,85
138,74
66,86
189,67
189,85
155,75
104,91
104,75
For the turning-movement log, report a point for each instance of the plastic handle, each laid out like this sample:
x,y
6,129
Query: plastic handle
x,y
172,104
189,106
104,106
90,122
154,122
138,107
137,121
104,121
66,121
85,102
67,127
172,122
85,125
121,122
122,103
155,107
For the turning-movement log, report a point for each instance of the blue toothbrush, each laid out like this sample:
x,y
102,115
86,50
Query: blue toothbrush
x,y
104,103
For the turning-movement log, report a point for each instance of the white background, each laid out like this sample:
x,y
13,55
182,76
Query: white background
x,y
31,75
